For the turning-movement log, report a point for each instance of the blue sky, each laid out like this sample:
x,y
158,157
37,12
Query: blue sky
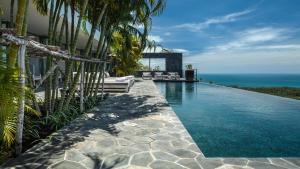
x,y
233,36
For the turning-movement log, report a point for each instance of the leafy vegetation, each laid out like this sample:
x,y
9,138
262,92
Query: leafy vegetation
x,y
128,55
123,26
288,92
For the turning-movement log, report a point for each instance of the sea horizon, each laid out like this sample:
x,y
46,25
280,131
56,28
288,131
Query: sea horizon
x,y
252,79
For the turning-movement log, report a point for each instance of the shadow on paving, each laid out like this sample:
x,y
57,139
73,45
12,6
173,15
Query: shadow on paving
x,y
117,108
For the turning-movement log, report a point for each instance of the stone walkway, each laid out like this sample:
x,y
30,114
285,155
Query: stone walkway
x,y
137,130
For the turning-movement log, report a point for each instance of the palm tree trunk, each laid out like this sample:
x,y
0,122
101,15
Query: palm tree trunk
x,y
95,68
11,20
13,51
69,65
21,28
102,70
86,52
56,18
20,118
48,85
30,83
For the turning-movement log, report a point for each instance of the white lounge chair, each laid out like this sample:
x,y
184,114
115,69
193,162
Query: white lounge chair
x,y
158,75
114,84
173,76
147,76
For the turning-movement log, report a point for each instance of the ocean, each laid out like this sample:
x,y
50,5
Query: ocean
x,y
253,80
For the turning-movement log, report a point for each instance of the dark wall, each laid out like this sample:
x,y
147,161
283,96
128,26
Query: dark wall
x,y
173,61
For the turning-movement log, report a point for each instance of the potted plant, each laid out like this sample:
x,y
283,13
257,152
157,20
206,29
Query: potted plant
x,y
189,72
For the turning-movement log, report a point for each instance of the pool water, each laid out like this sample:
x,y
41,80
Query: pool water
x,y
228,122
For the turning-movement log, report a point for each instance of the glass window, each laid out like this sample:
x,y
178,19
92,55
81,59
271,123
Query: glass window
x,y
158,64
153,64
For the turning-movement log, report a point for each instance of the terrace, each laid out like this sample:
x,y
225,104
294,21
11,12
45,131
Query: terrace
x,y
134,130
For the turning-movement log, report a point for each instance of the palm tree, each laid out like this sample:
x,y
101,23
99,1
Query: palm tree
x,y
116,22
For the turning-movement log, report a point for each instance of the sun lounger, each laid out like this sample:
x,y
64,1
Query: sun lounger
x,y
115,84
147,76
158,75
173,76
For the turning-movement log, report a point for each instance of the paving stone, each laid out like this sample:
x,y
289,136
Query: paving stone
x,y
125,142
190,163
161,145
74,155
142,159
182,153
235,161
91,163
138,139
295,161
180,143
283,163
126,150
260,165
165,165
106,143
115,161
165,156
208,163
162,137
263,160
194,147
142,147
137,167
228,166
67,165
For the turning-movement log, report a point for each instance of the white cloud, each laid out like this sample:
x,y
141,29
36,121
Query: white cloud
x,y
214,21
167,34
181,51
279,47
155,38
247,61
258,50
160,49
252,37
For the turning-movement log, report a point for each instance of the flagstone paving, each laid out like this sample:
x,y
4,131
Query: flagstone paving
x,y
137,130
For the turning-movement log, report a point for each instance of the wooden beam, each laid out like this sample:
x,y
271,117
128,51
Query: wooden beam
x,y
82,88
47,50
48,73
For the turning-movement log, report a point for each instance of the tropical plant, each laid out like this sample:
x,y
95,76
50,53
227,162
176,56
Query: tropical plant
x,y
189,66
116,21
126,56
9,95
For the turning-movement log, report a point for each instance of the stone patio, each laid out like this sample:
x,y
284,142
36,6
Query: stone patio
x,y
137,130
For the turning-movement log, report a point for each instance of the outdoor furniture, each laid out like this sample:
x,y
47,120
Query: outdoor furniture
x,y
173,76
36,78
112,84
158,75
147,76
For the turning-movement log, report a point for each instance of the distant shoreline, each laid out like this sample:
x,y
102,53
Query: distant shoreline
x,y
288,92
253,80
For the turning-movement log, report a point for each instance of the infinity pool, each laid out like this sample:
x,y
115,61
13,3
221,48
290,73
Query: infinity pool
x,y
228,122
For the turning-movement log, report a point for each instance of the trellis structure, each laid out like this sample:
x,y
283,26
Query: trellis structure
x,y
40,50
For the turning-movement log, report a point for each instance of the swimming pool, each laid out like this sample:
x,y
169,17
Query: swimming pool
x,y
228,122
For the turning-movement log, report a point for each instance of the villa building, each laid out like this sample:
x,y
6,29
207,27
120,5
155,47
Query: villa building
x,y
38,27
162,62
